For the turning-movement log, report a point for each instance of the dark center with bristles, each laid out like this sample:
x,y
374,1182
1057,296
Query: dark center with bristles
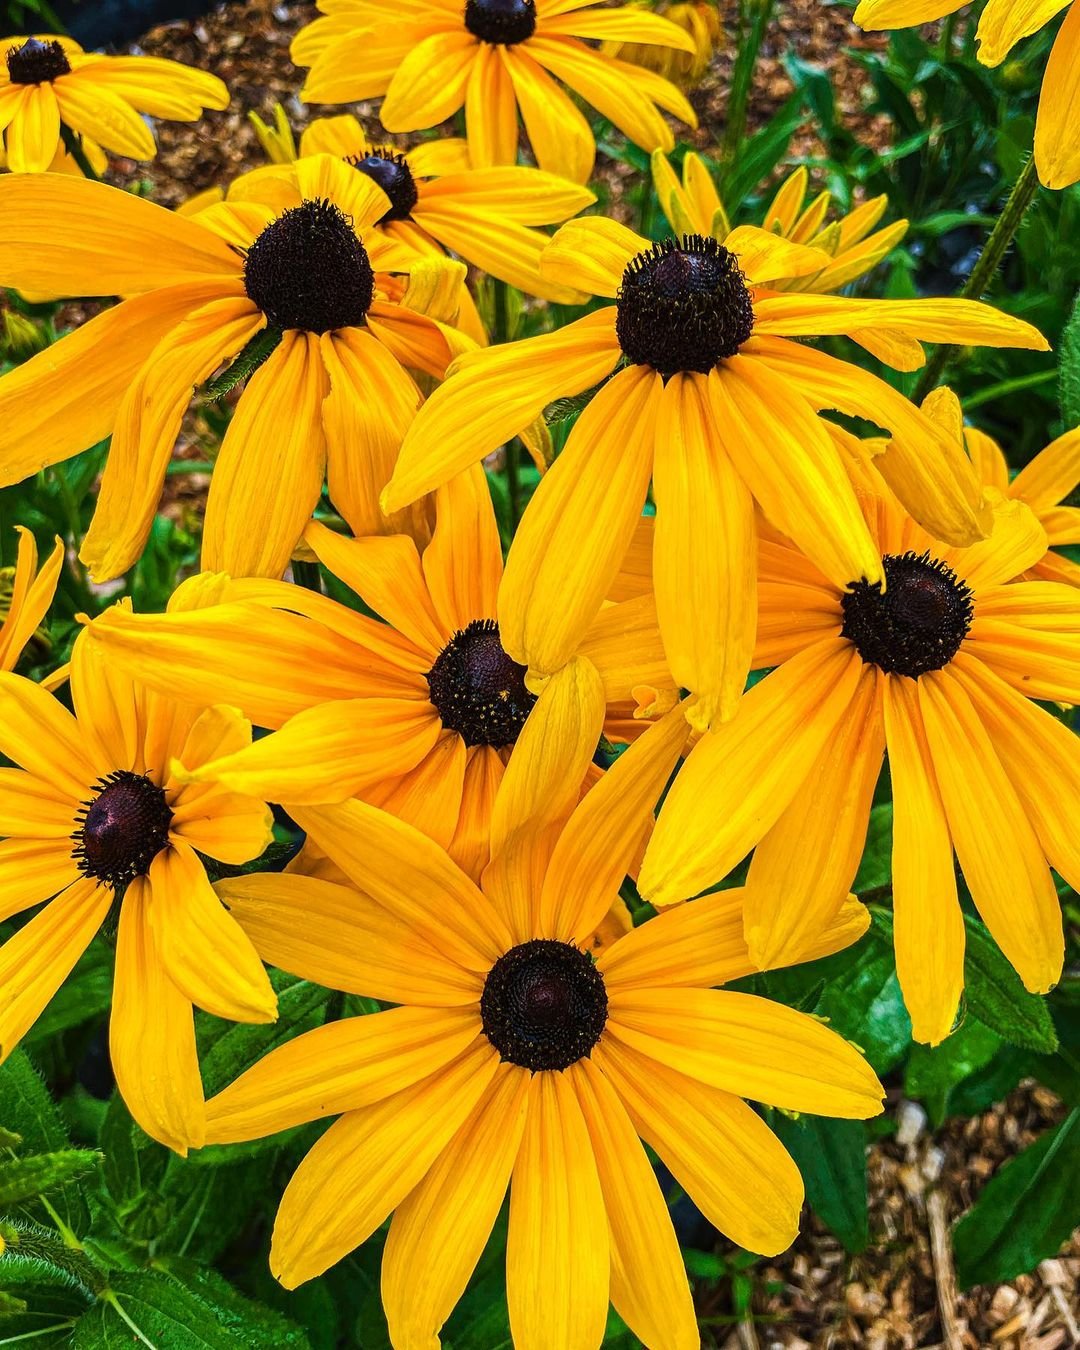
x,y
544,1005
501,21
309,270
917,623
683,305
37,62
477,689
121,829
390,170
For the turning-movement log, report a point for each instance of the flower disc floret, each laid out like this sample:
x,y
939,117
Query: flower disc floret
x,y
544,1005
683,306
503,22
917,623
121,829
477,689
37,62
308,270
390,170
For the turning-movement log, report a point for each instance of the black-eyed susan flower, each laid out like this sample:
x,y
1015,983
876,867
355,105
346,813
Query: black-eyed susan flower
x,y
516,1061
1002,25
1045,484
496,58
97,819
439,202
419,714
331,399
700,19
47,82
853,246
717,407
25,596
938,669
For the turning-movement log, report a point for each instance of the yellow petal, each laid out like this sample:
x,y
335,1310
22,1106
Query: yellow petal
x,y
1004,23
558,132
463,562
621,25
98,112
1057,146
152,1036
429,85
429,796
1052,475
39,734
34,132
557,1254
764,256
929,926
491,109
592,254
31,595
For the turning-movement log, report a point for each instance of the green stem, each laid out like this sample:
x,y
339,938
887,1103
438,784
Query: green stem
x,y
501,324
742,77
74,146
994,250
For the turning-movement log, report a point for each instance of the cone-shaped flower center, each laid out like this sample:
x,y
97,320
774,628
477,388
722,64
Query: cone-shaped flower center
x,y
121,829
917,623
37,62
477,689
390,170
501,21
683,305
544,1005
309,270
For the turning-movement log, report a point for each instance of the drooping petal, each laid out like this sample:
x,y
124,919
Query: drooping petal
x,y
1004,23
712,1142
463,563
39,735
568,547
439,1230
741,775
430,84
99,113
929,925
429,795
491,109
152,1036
367,1163
592,254
559,133
34,132
1057,146
1052,475
557,1248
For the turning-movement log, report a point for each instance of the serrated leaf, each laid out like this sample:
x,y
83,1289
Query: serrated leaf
x,y
255,352
27,1108
35,1255
1025,1212
1069,368
996,995
23,1179
831,1155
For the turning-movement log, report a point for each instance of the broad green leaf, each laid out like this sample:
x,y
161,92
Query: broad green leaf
x,y
996,995
875,869
1025,1212
831,1155
864,1003
933,1072
85,995
23,1179
762,152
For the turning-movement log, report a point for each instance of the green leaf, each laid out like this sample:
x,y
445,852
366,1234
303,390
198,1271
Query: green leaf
x,y
1025,1213
933,1072
255,352
1069,368
23,1179
204,1314
831,1155
875,869
34,1255
762,152
86,994
28,1109
997,997
863,1001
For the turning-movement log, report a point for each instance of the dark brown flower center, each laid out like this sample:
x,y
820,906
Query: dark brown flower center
x,y
309,270
121,829
544,1005
391,171
917,623
501,21
683,305
37,62
477,689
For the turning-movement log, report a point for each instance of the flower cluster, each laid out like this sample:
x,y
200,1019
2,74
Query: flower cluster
x,y
755,572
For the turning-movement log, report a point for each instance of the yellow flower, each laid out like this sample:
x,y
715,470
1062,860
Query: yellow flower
x,y
718,408
97,817
693,206
419,714
48,80
939,670
513,1060
701,20
1002,25
1043,484
440,203
496,57
25,596
332,399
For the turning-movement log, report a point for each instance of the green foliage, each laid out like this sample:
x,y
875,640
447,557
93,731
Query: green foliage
x,y
831,1155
